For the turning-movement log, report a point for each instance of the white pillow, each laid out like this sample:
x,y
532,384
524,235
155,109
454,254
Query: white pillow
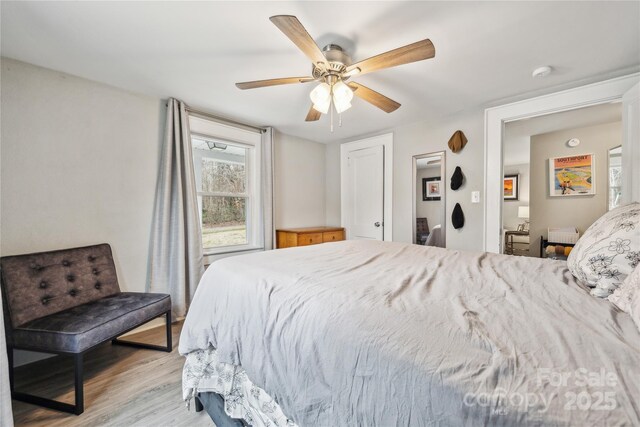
x,y
634,306
608,251
625,294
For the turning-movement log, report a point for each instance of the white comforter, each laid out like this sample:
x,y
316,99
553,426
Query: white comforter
x,y
372,333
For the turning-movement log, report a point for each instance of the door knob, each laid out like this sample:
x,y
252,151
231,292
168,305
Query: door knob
x,y
377,224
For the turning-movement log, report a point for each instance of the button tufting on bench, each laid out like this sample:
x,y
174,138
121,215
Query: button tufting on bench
x,y
66,263
95,271
70,277
73,292
45,300
43,285
97,285
91,258
35,267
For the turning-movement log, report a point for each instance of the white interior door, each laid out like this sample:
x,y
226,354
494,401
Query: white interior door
x,y
365,186
631,145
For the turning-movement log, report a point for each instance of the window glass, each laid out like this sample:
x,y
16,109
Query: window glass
x,y
223,193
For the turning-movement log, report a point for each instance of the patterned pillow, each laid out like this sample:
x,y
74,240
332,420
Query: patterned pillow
x,y
608,251
625,294
634,308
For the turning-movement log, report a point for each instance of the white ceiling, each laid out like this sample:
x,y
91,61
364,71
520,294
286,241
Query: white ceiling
x,y
196,51
517,135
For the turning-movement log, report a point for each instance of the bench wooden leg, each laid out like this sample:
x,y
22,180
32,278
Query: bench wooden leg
x,y
168,348
76,409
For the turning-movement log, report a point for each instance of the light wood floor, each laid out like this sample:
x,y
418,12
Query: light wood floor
x,y
123,387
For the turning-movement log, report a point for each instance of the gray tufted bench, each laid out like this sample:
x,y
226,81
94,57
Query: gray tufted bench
x,y
67,302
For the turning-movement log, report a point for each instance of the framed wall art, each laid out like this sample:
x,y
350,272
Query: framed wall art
x,y
431,188
572,176
511,187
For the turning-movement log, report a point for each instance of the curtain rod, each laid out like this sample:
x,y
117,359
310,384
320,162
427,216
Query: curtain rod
x,y
223,120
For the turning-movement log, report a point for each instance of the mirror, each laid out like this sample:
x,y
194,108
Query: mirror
x,y
429,194
615,177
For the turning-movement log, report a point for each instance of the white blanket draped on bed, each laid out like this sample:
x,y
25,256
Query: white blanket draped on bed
x,y
379,334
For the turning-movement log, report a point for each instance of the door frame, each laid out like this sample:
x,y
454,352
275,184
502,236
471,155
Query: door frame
x,y
495,118
385,140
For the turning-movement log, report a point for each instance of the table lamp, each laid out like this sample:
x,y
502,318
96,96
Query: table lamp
x,y
523,212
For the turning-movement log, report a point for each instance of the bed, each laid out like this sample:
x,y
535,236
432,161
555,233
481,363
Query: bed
x,y
372,333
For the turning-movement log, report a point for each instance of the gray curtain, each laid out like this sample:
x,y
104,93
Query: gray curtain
x,y
267,188
176,258
6,416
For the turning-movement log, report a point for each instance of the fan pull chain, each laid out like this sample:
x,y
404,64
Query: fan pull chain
x,y
340,120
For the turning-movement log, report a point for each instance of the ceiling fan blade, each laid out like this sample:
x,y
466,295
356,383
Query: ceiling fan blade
x,y
413,52
273,82
296,32
313,115
382,102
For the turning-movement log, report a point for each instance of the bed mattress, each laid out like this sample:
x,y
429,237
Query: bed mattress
x,y
389,334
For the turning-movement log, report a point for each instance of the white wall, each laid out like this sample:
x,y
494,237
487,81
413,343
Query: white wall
x,y
299,186
424,137
332,184
572,211
510,219
79,166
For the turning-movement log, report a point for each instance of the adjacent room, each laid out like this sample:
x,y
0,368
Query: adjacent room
x,y
532,214
311,213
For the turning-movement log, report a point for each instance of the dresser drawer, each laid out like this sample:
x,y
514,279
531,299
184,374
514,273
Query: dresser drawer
x,y
305,236
333,236
305,239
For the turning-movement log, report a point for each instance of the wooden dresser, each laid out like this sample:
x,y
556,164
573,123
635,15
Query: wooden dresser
x,y
290,237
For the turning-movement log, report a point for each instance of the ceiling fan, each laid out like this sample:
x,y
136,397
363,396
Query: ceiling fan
x,y
332,67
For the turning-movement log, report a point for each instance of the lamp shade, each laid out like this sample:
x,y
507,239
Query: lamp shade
x,y
523,212
342,96
342,92
321,94
341,105
322,106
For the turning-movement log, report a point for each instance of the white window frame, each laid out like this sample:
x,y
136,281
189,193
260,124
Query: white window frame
x,y
209,129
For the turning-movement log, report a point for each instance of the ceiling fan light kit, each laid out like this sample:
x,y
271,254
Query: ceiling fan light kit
x,y
321,97
332,67
342,96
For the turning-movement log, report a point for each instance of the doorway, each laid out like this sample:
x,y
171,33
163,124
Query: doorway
x,y
625,88
366,188
556,178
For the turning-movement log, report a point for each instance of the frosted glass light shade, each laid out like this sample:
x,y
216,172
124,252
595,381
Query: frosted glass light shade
x,y
322,106
321,94
342,105
342,92
342,96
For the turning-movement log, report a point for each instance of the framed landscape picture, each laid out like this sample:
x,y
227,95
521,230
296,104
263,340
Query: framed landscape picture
x,y
511,187
431,188
572,176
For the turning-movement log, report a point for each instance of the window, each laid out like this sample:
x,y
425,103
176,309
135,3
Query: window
x,y
227,177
